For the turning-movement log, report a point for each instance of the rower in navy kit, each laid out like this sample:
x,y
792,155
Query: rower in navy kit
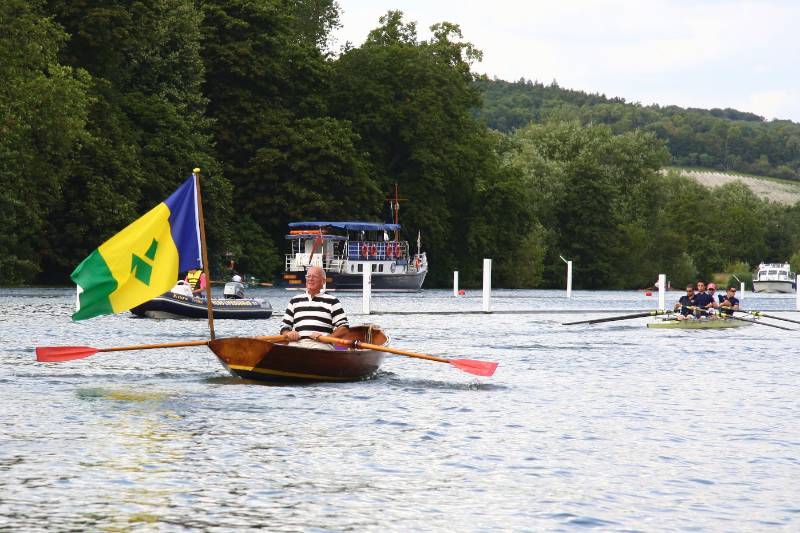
x,y
728,302
685,303
702,299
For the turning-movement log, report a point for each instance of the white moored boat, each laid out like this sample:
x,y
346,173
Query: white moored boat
x,y
774,278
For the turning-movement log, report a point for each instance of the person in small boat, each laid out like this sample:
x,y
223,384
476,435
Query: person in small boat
x,y
728,302
314,313
702,299
685,303
197,280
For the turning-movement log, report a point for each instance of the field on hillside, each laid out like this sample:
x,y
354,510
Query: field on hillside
x,y
781,191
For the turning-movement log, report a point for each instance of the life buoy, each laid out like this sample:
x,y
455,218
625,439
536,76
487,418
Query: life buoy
x,y
394,250
364,250
374,251
417,262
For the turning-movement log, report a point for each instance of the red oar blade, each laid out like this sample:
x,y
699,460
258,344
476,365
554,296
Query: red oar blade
x,y
479,368
57,354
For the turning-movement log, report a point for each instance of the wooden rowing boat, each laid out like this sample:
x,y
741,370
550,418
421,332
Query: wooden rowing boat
x,y
262,360
709,323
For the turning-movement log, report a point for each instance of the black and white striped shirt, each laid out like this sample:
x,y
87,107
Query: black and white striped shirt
x,y
305,314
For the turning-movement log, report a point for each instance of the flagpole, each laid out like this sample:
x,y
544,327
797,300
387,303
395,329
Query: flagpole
x,y
204,251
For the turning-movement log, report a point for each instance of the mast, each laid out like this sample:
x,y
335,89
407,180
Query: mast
x,y
394,204
204,251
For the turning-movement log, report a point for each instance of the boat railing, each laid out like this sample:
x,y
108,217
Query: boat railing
x,y
299,261
377,250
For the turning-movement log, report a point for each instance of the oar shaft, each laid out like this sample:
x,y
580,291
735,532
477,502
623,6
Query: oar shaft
x,y
346,342
759,313
615,318
152,346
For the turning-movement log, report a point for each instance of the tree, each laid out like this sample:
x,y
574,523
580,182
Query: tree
x,y
43,110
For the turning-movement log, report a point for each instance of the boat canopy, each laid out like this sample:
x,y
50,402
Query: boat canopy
x,y
351,226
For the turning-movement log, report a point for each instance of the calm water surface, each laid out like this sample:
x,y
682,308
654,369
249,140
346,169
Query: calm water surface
x,y
612,426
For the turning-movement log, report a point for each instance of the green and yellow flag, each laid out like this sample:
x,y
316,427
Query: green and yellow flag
x,y
143,260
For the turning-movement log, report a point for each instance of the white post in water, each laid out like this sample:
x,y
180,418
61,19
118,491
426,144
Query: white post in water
x,y
366,288
662,289
487,284
455,283
797,293
569,276
741,290
569,279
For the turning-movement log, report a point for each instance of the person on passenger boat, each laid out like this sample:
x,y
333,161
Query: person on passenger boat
x,y
314,313
684,306
702,299
728,302
197,280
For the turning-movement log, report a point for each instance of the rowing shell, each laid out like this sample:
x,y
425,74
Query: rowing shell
x,y
711,323
252,358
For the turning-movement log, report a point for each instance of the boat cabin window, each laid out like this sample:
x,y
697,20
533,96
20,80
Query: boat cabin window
x,y
380,268
374,267
360,267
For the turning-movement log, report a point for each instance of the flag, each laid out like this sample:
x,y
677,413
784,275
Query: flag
x,y
143,260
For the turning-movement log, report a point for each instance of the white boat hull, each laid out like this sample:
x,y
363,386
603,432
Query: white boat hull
x,y
775,287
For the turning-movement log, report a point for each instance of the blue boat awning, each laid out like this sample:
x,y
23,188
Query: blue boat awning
x,y
351,226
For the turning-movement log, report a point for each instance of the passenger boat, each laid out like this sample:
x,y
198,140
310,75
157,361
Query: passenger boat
x,y
181,303
774,278
701,323
346,249
253,358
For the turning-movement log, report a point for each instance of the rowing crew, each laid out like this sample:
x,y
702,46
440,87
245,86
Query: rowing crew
x,y
701,297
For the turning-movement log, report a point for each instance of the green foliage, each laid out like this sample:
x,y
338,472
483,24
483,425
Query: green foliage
x,y
742,271
43,109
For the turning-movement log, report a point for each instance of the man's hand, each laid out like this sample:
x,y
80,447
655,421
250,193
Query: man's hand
x,y
292,336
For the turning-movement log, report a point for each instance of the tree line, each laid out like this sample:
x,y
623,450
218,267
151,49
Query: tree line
x,y
106,106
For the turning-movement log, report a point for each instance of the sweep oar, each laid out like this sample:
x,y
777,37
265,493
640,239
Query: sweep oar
x,y
479,368
759,313
57,354
740,318
623,317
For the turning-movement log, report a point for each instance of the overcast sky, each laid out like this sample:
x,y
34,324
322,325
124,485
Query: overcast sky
x,y
705,53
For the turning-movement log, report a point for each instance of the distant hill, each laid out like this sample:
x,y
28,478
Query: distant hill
x,y
717,139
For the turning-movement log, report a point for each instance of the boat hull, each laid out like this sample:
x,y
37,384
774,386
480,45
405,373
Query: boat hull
x,y
698,324
256,359
775,287
173,305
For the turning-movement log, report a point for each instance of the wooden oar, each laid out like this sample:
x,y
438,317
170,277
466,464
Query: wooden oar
x,y
740,318
57,354
479,368
623,317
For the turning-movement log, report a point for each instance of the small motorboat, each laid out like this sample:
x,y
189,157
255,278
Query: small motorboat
x,y
774,278
262,360
181,303
699,323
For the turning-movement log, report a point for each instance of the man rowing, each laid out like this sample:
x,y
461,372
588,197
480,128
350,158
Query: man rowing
x,y
314,313
686,304
702,299
728,302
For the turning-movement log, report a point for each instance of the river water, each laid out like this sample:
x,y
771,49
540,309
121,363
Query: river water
x,y
611,426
